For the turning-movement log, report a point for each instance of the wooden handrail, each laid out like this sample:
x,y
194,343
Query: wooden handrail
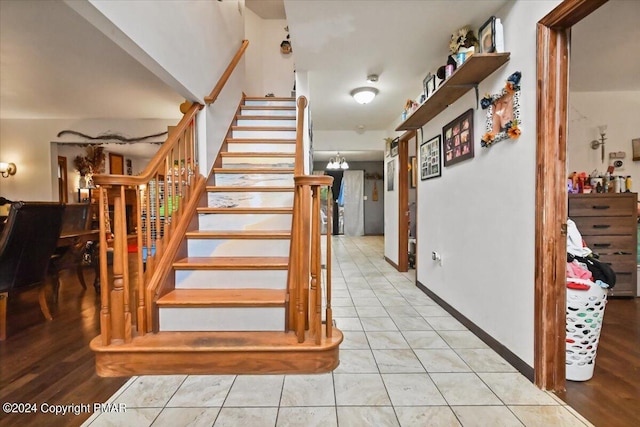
x,y
227,73
153,165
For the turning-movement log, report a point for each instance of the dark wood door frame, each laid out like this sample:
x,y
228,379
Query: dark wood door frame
x,y
403,200
553,38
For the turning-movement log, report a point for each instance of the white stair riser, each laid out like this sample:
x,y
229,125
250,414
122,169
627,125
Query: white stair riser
x,y
269,103
255,179
263,134
250,199
261,148
222,319
237,247
228,222
260,112
258,162
266,123
231,279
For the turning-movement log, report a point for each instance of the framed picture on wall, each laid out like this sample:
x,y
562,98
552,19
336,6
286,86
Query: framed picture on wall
x,y
394,147
431,158
116,164
635,147
458,139
390,174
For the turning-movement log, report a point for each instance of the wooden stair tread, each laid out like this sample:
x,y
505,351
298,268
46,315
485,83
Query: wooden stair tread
x,y
258,210
232,263
240,234
224,298
249,117
218,353
252,170
267,107
260,141
221,189
264,128
256,154
269,98
220,341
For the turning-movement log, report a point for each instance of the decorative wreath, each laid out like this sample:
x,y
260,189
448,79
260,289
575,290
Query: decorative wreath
x,y
503,112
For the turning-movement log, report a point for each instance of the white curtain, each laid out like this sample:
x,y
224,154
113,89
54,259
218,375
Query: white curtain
x,y
353,202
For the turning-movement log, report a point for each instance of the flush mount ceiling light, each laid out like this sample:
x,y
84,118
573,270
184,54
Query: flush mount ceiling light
x,y
364,95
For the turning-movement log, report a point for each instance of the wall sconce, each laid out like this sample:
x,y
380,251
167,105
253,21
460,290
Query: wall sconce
x,y
7,169
595,143
337,163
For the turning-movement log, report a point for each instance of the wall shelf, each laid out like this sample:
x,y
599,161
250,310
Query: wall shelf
x,y
473,71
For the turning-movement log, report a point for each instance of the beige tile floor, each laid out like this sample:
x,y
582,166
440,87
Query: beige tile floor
x,y
404,362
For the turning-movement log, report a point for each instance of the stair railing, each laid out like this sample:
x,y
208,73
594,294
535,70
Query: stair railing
x,y
167,194
227,73
305,257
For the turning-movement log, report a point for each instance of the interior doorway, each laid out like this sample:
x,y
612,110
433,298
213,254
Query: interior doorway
x,y
553,38
63,194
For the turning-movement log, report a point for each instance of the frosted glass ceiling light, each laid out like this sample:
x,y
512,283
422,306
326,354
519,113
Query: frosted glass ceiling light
x,y
364,95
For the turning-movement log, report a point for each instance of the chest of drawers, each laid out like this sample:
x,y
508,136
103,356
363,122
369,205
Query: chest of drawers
x,y
608,224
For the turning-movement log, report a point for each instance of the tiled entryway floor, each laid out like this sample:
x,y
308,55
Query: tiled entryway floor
x,y
404,362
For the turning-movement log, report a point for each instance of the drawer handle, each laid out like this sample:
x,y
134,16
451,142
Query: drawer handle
x,y
602,245
601,226
623,272
623,253
600,207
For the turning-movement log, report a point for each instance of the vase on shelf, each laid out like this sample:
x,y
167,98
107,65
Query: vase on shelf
x,y
82,181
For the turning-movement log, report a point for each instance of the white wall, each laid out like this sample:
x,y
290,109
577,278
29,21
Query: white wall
x,y
479,215
268,70
620,112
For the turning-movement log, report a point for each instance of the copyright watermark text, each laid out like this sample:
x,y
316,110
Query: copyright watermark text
x,y
71,408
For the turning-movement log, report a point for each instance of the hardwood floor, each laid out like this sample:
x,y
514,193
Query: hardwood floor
x,y
50,362
612,397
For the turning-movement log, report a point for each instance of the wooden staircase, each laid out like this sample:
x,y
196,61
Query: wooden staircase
x,y
228,307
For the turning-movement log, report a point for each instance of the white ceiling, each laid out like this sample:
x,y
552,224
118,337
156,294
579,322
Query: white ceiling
x,y
53,64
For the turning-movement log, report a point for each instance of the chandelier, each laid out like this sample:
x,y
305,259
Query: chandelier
x,y
337,162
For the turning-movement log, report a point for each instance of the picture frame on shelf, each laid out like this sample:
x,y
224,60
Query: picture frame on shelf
x,y
429,85
457,138
431,158
487,36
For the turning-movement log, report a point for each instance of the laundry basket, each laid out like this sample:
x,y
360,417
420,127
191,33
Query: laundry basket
x,y
585,311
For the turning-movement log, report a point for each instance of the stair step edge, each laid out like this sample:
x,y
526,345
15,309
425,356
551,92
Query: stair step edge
x,y
259,140
240,234
232,263
223,298
252,170
256,154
